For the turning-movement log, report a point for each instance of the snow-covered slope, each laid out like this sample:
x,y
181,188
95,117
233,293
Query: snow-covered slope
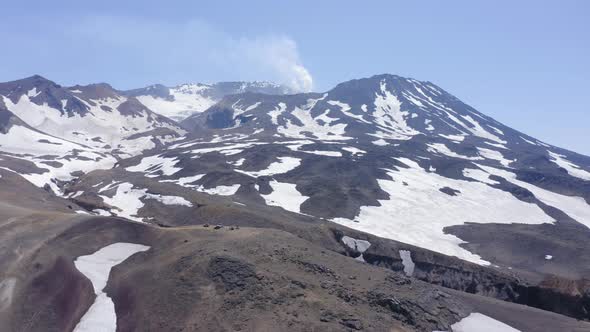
x,y
95,115
393,156
181,101
50,133
44,159
391,171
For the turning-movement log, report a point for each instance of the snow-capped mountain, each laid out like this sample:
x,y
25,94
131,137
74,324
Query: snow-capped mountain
x,y
57,131
391,156
181,101
95,115
266,197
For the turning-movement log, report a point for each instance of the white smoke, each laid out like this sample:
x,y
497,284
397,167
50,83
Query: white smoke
x,y
278,55
187,51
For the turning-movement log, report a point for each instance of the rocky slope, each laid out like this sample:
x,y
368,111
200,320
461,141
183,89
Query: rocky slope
x,y
395,157
384,204
223,279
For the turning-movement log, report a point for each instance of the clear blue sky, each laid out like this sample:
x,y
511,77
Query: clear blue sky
x,y
526,63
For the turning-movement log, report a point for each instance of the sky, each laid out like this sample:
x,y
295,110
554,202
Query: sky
x,y
525,63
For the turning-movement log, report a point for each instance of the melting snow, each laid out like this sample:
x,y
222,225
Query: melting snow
x,y
479,175
101,212
416,213
380,142
238,110
310,126
496,130
153,164
220,190
186,180
456,138
33,92
495,155
6,293
528,141
407,262
112,127
501,146
324,153
358,245
238,162
181,106
274,114
169,200
443,149
127,200
571,168
574,206
284,165
478,130
353,150
477,322
101,315
228,150
345,109
25,143
389,117
285,195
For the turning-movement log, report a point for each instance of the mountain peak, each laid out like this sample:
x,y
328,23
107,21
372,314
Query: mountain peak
x,y
95,90
35,77
30,82
377,79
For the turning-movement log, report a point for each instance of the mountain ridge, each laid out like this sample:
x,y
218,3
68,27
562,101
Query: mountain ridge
x,y
385,173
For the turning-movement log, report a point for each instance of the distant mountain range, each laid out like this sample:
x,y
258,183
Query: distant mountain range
x,y
352,208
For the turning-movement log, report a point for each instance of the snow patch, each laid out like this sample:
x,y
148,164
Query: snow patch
x,y
389,117
101,315
310,127
455,138
285,195
169,200
380,142
574,206
477,322
571,168
284,165
353,151
494,155
407,262
359,245
345,109
324,153
440,148
126,200
182,104
6,293
220,190
479,175
274,114
478,130
417,213
152,164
